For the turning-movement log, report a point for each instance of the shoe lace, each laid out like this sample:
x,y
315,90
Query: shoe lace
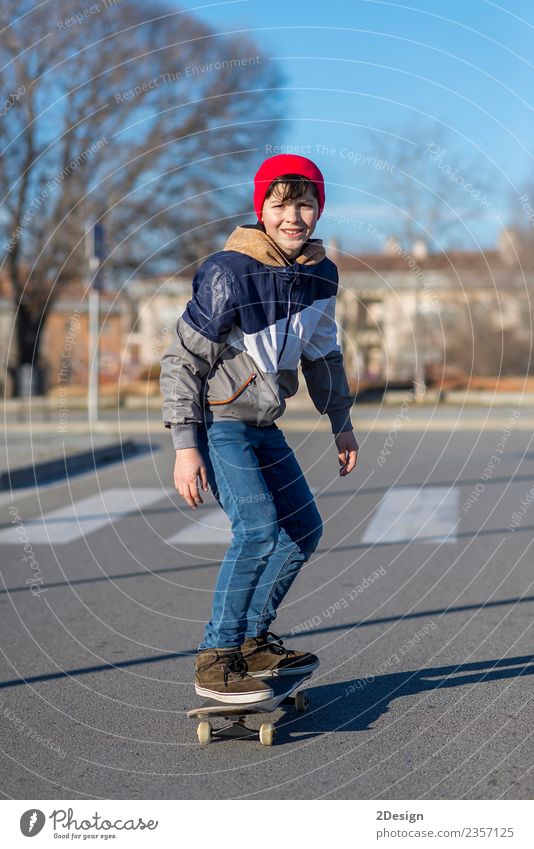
x,y
275,644
234,664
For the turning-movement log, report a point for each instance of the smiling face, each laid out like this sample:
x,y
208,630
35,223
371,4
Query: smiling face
x,y
291,222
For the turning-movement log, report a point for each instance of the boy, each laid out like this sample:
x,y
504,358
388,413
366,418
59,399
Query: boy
x,y
261,305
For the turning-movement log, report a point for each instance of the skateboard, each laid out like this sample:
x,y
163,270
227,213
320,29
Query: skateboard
x,y
284,694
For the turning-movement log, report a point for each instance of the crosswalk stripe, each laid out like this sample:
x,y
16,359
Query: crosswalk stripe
x,y
211,527
82,517
415,514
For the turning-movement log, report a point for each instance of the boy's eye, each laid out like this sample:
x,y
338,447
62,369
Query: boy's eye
x,y
304,203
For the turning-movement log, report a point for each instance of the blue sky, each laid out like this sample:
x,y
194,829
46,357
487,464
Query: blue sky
x,y
383,65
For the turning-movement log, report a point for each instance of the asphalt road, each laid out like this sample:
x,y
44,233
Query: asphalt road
x,y
424,689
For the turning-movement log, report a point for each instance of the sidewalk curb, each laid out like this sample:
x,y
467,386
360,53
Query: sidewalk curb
x,y
70,464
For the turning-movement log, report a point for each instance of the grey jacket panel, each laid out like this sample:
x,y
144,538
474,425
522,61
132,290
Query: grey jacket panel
x,y
184,366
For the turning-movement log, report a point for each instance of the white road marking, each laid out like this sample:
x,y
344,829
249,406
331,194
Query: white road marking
x,y
415,514
81,517
208,527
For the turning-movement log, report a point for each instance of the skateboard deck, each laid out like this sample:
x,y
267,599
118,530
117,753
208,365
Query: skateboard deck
x,y
284,694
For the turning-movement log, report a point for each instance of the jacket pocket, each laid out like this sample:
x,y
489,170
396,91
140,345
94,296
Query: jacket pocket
x,y
239,389
236,394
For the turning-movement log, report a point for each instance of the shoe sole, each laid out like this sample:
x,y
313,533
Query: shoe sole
x,y
278,673
235,698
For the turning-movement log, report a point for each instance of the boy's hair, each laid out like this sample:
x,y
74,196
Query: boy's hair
x,y
291,187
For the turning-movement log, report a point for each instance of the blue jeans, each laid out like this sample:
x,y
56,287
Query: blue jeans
x,y
256,479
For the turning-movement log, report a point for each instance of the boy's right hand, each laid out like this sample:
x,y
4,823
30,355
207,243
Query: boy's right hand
x,y
189,466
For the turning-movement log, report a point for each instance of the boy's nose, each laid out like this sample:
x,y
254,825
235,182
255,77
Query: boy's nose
x,y
292,216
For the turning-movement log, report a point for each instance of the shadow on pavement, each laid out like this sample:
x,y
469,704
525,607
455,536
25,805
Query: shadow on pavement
x,y
353,705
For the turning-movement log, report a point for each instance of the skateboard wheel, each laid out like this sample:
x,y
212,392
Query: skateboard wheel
x,y
204,732
267,734
302,701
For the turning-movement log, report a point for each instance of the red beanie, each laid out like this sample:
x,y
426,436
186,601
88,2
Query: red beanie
x,y
285,163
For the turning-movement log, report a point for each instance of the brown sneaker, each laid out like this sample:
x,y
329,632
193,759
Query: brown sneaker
x,y
266,656
221,674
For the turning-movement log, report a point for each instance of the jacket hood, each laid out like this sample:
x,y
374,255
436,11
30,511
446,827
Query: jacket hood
x,y
252,239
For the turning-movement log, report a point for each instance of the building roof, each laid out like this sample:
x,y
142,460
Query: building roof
x,y
505,266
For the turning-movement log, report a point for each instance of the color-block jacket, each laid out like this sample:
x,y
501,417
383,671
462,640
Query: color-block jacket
x,y
251,320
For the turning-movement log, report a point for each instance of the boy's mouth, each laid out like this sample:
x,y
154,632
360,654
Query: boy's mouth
x,y
293,234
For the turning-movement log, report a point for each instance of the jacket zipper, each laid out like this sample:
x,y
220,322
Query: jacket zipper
x,y
238,392
287,323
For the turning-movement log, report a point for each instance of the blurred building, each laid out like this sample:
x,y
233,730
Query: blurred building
x,y
64,348
65,343
462,309
156,304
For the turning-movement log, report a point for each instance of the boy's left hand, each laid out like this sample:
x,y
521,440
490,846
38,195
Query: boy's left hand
x,y
347,451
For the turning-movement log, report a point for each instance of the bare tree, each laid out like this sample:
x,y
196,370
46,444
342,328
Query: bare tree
x,y
132,114
435,189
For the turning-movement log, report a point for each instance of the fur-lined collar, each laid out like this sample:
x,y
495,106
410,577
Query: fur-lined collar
x,y
252,239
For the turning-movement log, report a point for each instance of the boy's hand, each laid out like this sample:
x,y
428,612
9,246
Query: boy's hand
x,y
188,467
347,451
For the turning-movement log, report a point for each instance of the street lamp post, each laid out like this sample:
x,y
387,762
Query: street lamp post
x,y
95,254
419,253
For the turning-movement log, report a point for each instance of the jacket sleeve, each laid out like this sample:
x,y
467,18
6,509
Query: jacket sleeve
x,y
324,372
199,339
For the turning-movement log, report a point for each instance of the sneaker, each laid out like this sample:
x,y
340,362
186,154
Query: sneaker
x,y
221,674
267,656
